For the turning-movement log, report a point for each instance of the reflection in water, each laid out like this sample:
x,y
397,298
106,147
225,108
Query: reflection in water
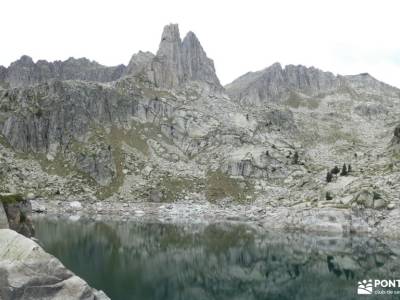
x,y
221,261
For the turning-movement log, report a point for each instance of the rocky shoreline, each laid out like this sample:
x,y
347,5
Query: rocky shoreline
x,y
330,220
26,270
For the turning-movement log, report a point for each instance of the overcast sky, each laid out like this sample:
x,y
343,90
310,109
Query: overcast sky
x,y
345,37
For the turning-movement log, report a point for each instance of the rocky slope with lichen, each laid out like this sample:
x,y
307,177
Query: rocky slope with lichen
x,y
164,129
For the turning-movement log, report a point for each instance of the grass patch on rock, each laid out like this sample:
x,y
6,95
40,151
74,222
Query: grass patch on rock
x,y
220,185
11,198
173,187
295,101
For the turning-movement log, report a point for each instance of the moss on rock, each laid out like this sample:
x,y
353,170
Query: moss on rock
x,y
11,198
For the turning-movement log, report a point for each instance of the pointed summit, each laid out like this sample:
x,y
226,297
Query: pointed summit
x,y
170,36
167,65
197,65
178,62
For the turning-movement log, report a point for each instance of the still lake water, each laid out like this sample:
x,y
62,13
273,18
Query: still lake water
x,y
132,260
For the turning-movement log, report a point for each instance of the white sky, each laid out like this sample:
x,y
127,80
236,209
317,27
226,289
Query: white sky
x,y
342,36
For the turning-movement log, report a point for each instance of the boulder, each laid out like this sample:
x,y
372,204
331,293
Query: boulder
x,y
156,196
346,200
37,207
30,196
365,198
391,206
28,272
370,198
76,205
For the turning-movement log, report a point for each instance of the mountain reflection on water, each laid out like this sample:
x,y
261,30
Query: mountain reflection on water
x,y
131,260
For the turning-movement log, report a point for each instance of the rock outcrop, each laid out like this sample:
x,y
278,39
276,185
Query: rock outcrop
x,y
28,272
18,214
3,74
3,218
275,84
178,62
58,116
98,163
139,63
396,136
25,72
292,83
369,86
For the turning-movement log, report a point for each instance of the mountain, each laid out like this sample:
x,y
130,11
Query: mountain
x,y
25,72
280,84
164,129
176,63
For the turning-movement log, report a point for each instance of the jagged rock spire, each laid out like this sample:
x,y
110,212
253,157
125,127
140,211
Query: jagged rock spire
x,y
167,65
178,62
197,66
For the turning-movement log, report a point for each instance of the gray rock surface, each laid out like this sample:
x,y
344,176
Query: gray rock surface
x,y
178,62
166,131
19,215
99,164
3,218
278,84
25,72
139,63
396,138
27,272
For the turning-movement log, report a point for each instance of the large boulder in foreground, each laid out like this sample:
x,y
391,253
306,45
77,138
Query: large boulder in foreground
x,y
28,272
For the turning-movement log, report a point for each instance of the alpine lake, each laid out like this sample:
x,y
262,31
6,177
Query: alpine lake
x,y
159,261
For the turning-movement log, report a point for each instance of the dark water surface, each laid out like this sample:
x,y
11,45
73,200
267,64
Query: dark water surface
x,y
131,260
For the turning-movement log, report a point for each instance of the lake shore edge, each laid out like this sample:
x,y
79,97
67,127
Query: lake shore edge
x,y
327,220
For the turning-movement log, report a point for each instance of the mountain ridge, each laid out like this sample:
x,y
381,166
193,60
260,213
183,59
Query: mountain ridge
x,y
166,130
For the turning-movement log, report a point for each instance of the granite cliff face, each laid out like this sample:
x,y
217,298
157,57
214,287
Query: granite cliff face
x,y
164,129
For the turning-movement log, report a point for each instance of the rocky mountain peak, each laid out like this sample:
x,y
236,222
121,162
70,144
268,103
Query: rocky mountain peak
x,y
25,71
138,63
24,60
167,65
367,84
275,83
170,45
178,62
170,35
196,63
